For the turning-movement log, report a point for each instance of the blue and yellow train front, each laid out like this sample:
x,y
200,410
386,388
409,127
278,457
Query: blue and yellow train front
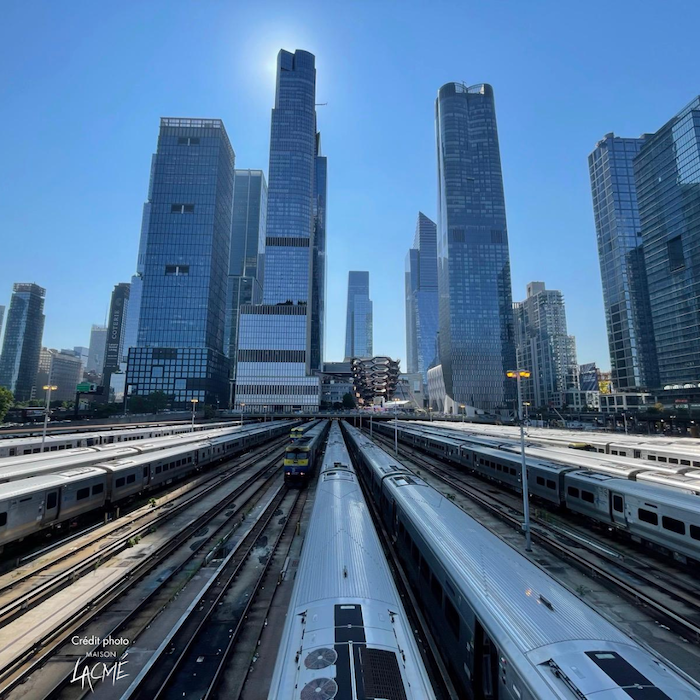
x,y
297,464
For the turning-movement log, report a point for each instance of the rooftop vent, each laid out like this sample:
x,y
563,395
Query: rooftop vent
x,y
319,689
320,658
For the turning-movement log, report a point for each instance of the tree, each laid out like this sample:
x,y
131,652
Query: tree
x,y
6,401
348,400
209,410
158,401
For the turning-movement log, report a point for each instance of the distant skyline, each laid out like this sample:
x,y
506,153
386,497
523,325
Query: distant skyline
x,y
87,85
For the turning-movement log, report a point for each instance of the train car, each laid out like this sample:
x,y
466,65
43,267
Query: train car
x,y
298,431
346,634
505,628
301,455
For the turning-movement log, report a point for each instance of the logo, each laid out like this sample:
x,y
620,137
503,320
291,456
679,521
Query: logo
x,y
101,672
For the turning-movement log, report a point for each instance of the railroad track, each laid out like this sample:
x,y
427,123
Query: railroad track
x,y
193,662
678,606
20,668
41,581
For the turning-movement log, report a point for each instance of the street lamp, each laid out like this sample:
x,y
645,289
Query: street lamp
x,y
242,407
464,411
194,403
48,389
519,374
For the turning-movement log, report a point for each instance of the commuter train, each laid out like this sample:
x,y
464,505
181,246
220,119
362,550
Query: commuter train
x,y
298,431
506,630
663,517
302,454
346,634
11,447
38,503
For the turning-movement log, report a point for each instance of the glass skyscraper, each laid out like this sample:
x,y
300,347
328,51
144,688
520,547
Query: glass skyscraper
x,y
421,288
358,324
278,338
22,342
476,345
667,174
622,268
180,345
245,269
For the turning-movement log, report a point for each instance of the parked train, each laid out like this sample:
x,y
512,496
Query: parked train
x,y
37,503
346,633
665,519
506,630
302,454
298,431
12,447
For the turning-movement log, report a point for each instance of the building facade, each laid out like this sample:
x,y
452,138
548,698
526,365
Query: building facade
x,y
622,267
358,318
246,259
2,318
543,346
318,261
276,338
180,345
96,353
22,341
476,344
667,174
421,288
63,369
115,366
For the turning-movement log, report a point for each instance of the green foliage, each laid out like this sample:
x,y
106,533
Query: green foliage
x,y
152,403
209,410
348,401
6,401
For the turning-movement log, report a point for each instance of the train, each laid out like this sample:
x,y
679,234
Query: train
x,y
662,518
346,634
505,628
302,455
47,501
298,431
11,447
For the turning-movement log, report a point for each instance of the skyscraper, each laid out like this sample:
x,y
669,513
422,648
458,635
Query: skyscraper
x,y
318,261
115,367
96,354
622,268
358,324
422,298
277,338
245,268
180,345
2,318
475,303
544,347
667,174
22,342
63,370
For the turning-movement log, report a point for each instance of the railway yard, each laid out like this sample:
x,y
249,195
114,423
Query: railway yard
x,y
309,561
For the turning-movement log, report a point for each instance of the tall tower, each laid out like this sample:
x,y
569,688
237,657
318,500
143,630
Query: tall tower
x,y
114,365
476,344
22,343
667,174
180,346
358,324
622,268
422,298
280,340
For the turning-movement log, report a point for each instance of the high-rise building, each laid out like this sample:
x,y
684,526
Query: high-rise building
x,y
276,339
475,303
96,354
180,345
83,353
318,262
22,343
622,268
115,365
63,369
667,174
2,318
421,288
358,323
544,347
246,259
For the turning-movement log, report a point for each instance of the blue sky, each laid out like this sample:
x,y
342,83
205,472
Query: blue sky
x,y
84,84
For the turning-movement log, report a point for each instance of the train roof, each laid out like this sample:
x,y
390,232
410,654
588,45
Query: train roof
x,y
23,487
148,458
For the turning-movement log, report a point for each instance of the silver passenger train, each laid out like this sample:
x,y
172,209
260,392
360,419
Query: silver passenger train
x,y
664,518
40,503
506,629
346,634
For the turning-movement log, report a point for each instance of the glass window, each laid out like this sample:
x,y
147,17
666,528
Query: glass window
x,y
51,500
618,504
452,617
97,489
646,516
587,496
573,492
82,493
673,525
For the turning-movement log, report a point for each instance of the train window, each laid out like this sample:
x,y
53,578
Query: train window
x,y
97,488
414,551
82,493
51,501
637,454
513,472
159,470
12,452
685,462
145,472
551,485
540,481
623,453
618,504
646,516
425,570
452,617
588,496
573,492
3,519
651,458
120,482
696,464
673,525
436,589
673,460
131,478
662,459
614,451
499,468
695,532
